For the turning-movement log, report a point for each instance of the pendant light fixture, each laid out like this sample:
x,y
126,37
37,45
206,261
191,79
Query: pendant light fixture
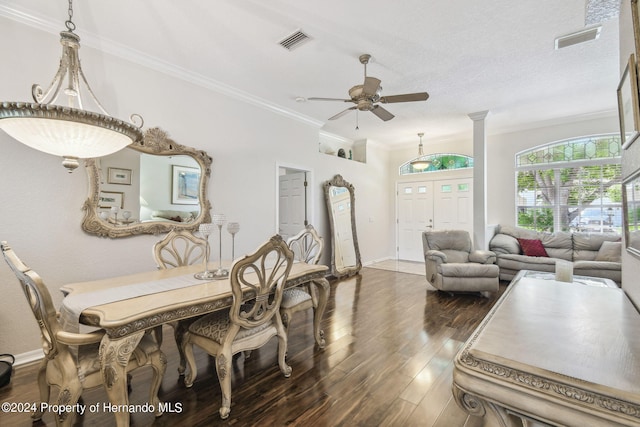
x,y
420,163
69,130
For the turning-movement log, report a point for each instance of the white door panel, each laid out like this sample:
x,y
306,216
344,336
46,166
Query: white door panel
x,y
415,215
426,205
291,204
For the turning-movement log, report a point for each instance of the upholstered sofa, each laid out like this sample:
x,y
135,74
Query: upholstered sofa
x,y
592,254
174,216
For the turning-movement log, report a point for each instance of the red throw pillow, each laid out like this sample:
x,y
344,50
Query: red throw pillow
x,y
532,247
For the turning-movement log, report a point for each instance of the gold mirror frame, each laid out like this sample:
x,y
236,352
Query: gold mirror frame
x,y
156,142
336,250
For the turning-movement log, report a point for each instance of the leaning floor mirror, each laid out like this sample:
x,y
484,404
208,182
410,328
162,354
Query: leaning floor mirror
x,y
345,253
151,187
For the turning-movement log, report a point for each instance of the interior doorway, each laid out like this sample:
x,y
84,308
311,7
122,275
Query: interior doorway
x,y
293,200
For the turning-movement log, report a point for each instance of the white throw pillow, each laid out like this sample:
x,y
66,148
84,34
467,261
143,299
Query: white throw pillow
x,y
610,251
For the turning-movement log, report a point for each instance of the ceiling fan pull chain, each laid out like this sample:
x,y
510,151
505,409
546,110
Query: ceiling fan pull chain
x,y
357,127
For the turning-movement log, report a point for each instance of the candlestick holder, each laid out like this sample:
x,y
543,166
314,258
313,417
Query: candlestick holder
x,y
233,228
220,220
206,230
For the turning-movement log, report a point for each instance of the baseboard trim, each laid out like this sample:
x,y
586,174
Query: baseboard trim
x,y
28,357
368,263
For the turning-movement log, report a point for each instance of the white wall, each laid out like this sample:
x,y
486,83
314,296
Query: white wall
x,y
501,151
41,203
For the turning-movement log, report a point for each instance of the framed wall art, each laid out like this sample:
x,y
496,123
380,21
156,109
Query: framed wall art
x,y
631,217
109,199
185,183
119,176
628,104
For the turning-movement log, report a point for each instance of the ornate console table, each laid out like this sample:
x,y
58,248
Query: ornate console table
x,y
553,353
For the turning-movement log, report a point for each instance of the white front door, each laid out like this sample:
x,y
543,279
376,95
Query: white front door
x,y
453,199
291,209
415,215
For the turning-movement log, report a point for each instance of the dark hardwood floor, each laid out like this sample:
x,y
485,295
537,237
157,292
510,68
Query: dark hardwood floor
x,y
388,362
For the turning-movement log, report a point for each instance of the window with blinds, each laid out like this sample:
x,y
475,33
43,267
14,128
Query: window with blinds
x,y
571,185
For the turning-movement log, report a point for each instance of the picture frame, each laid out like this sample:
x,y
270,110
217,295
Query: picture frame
x,y
628,112
631,213
109,199
185,185
119,176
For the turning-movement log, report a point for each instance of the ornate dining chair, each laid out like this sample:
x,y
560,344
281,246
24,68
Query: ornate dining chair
x,y
307,247
257,283
71,361
178,248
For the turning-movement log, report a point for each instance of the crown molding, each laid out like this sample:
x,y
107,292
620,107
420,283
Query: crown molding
x,y
122,51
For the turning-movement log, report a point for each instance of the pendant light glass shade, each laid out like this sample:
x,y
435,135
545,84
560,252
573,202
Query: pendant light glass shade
x,y
67,130
420,163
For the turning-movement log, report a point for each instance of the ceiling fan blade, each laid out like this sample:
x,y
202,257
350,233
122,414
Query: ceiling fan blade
x,y
382,113
371,85
408,97
342,113
329,99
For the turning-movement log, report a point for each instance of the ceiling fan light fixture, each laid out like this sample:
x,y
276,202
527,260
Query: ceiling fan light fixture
x,y
420,163
367,96
67,130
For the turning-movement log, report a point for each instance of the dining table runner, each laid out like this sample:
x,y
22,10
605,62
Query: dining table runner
x,y
73,305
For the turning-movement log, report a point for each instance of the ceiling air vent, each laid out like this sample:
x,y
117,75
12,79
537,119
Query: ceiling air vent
x,y
578,37
294,40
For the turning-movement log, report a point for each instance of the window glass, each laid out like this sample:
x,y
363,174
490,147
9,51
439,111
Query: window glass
x,y
571,185
439,162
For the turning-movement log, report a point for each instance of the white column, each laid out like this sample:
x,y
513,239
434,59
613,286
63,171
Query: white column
x,y
479,179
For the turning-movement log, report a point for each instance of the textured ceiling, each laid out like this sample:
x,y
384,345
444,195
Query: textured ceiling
x,y
470,55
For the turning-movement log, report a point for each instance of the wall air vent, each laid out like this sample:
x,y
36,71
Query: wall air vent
x,y
578,37
294,40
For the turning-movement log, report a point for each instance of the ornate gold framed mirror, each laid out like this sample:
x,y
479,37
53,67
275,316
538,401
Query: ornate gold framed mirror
x,y
150,187
345,253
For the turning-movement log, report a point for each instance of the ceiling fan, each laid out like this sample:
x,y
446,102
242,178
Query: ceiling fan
x,y
367,96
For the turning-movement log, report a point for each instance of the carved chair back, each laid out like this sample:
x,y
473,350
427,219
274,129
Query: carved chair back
x,y
179,248
263,274
39,300
307,245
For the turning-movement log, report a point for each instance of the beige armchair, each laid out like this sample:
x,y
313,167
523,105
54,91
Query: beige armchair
x,y
453,266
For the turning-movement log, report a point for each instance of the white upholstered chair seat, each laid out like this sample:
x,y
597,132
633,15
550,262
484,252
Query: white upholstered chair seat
x,y
295,296
216,325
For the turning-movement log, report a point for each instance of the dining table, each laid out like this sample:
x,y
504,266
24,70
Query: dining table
x,y
125,307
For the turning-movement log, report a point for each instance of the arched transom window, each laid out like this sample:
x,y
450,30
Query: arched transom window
x,y
439,162
570,185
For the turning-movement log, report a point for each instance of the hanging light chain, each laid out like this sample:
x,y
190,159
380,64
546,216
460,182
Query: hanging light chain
x,y
69,23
